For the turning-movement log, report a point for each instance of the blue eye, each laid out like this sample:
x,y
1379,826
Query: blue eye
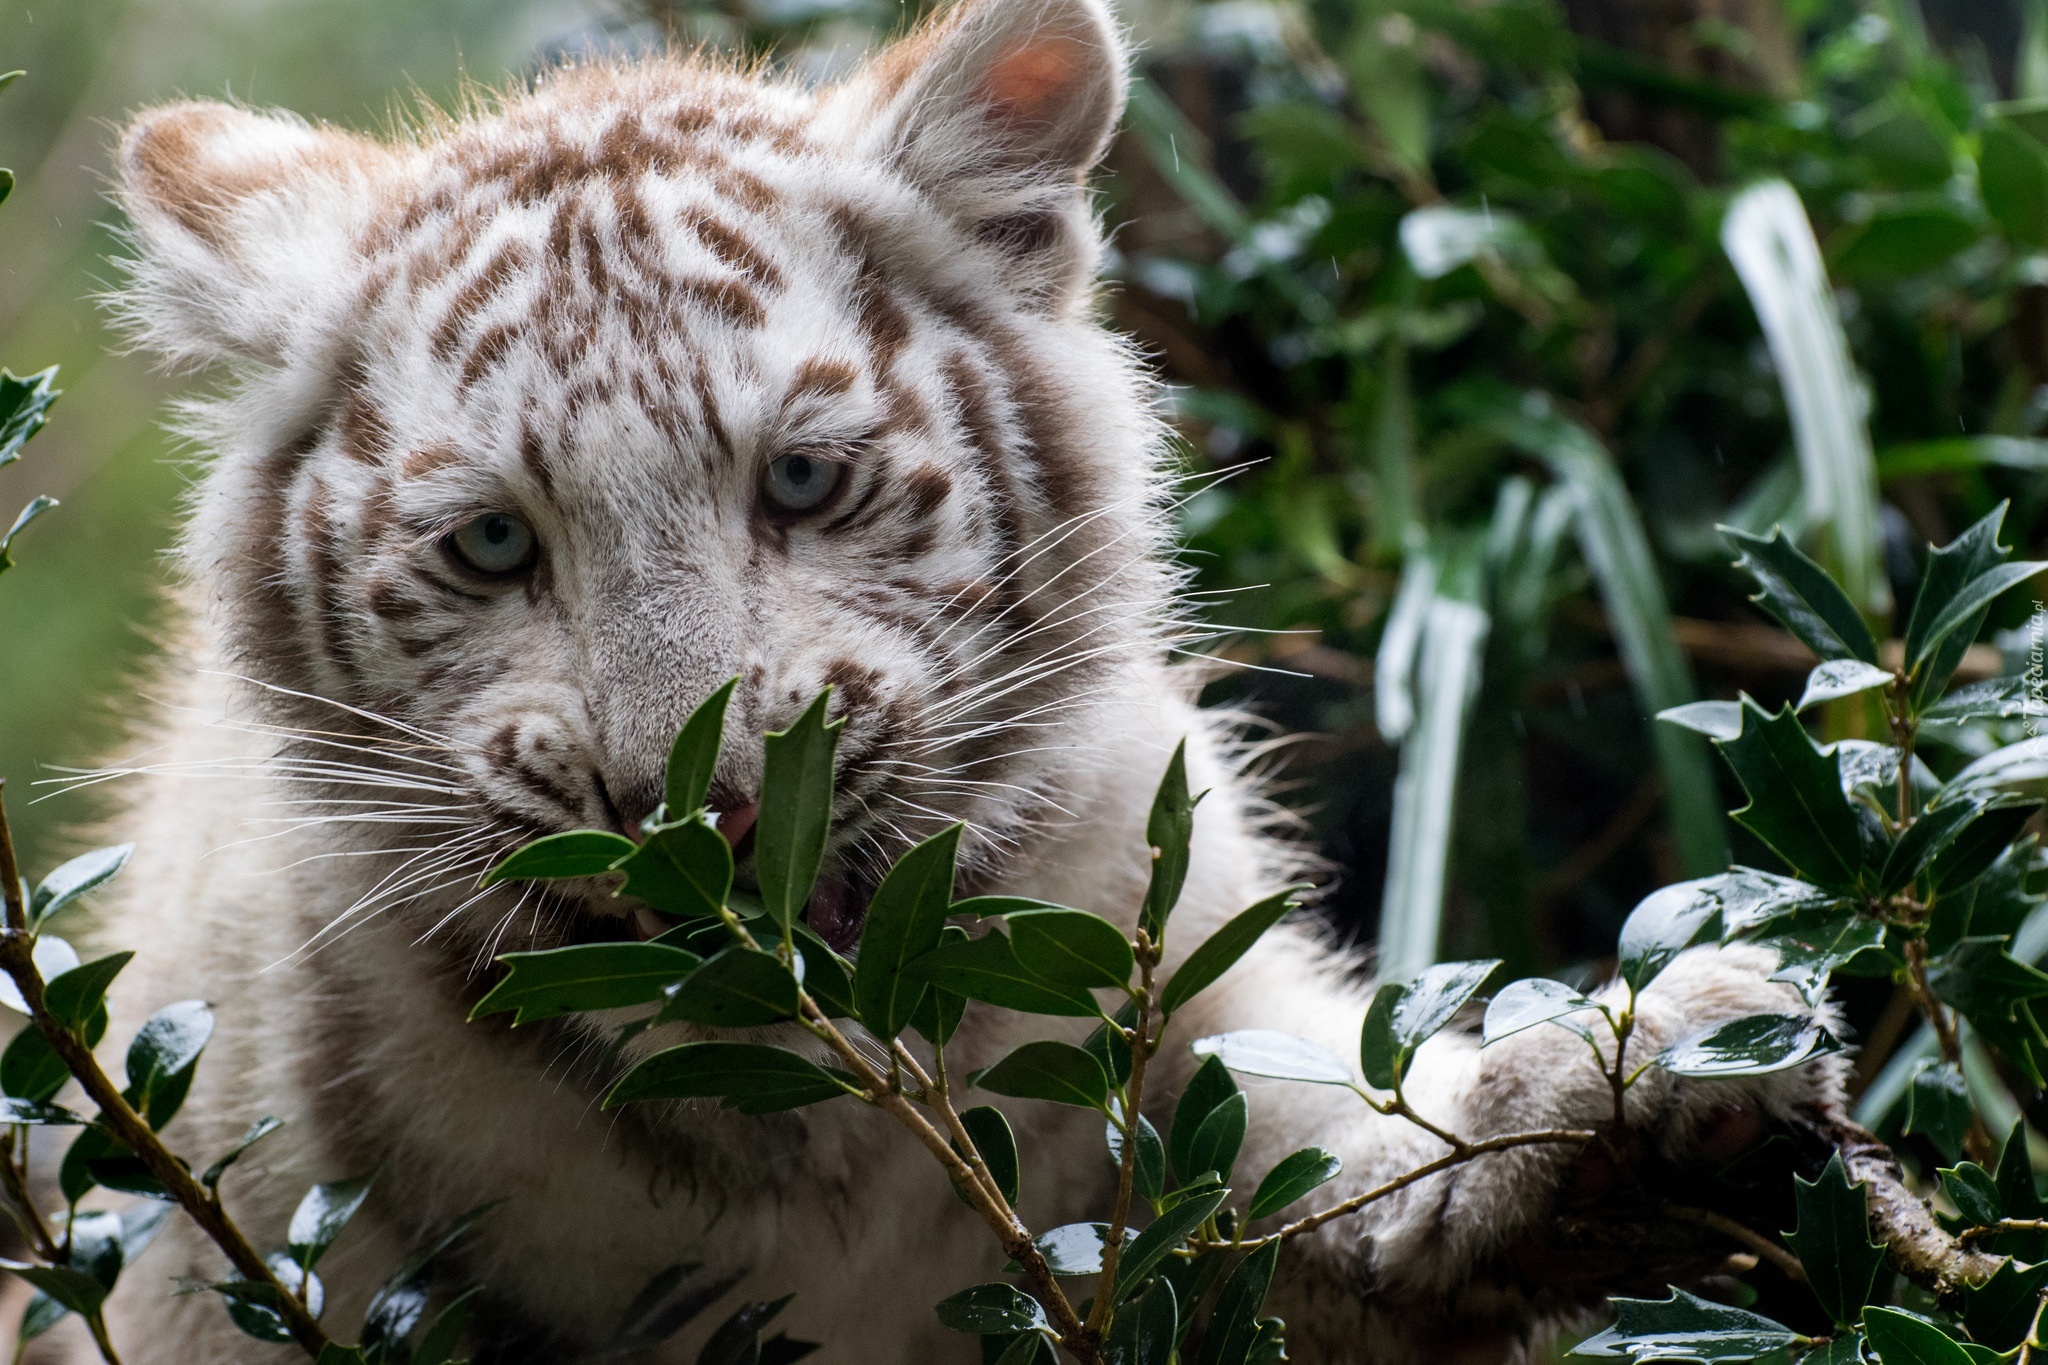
x,y
801,483
496,543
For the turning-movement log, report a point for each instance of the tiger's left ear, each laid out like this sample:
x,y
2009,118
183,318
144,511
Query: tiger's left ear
x,y
997,111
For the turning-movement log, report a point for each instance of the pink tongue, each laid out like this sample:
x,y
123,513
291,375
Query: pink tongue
x,y
737,823
835,915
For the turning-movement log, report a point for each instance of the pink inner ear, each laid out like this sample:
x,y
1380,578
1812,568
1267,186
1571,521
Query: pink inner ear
x,y
1030,83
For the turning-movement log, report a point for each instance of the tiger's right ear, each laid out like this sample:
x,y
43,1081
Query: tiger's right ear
x,y
240,224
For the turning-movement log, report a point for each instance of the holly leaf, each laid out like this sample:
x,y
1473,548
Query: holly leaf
x,y
1833,1242
1795,798
1754,1045
1801,596
1684,1328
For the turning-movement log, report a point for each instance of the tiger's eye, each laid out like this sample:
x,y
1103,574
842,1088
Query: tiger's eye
x,y
496,544
801,483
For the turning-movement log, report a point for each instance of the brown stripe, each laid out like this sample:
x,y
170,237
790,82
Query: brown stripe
x,y
481,288
735,250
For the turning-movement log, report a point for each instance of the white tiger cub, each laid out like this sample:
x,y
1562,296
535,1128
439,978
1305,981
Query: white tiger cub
x,y
542,421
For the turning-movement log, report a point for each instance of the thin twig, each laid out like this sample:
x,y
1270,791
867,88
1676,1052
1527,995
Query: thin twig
x,y
1745,1236
1141,1043
1402,1182
1969,1235
128,1127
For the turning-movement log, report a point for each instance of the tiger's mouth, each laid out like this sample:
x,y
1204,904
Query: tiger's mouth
x,y
836,911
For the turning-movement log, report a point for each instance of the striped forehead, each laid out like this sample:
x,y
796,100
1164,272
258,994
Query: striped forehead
x,y
702,288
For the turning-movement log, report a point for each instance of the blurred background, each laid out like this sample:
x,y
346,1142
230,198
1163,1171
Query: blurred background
x,y
1479,316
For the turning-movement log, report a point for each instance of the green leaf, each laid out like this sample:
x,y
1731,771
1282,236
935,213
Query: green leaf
x,y
52,956
1974,1193
1109,1045
42,1313
75,878
1073,1248
1714,719
1400,1021
1810,947
987,969
38,1113
1266,1052
796,815
694,754
1167,1232
401,1301
1920,841
1148,1169
683,869
939,1011
30,1068
750,1077
1999,1311
1994,699
906,920
438,1344
257,1131
738,1339
1980,843
1799,594
1208,1088
1220,1138
1167,830
1833,1241
1795,797
1071,948
1295,1176
1234,1323
584,976
162,1055
994,907
1220,951
1840,678
738,987
1145,1330
578,853
321,1216
1966,600
1525,1004
993,1308
1930,658
1664,924
997,1145
1902,1338
2012,175
1684,1328
74,1289
1059,1072
1379,1052
36,507
1981,979
24,407
79,994
1753,1045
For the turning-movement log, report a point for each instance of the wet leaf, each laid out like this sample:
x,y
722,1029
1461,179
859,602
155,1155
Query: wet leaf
x,y
682,869
1267,1052
1795,797
1840,678
987,969
1146,1329
1684,1328
1525,1004
1902,1338
997,1145
1754,1045
1071,947
77,877
992,1308
1938,1106
1233,1325
321,1216
1799,593
1167,1231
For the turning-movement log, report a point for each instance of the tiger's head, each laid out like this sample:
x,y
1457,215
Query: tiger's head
x,y
540,422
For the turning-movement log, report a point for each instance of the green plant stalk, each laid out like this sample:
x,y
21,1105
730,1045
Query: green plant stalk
x,y
970,1178
1465,1151
1142,1042
17,944
14,1174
